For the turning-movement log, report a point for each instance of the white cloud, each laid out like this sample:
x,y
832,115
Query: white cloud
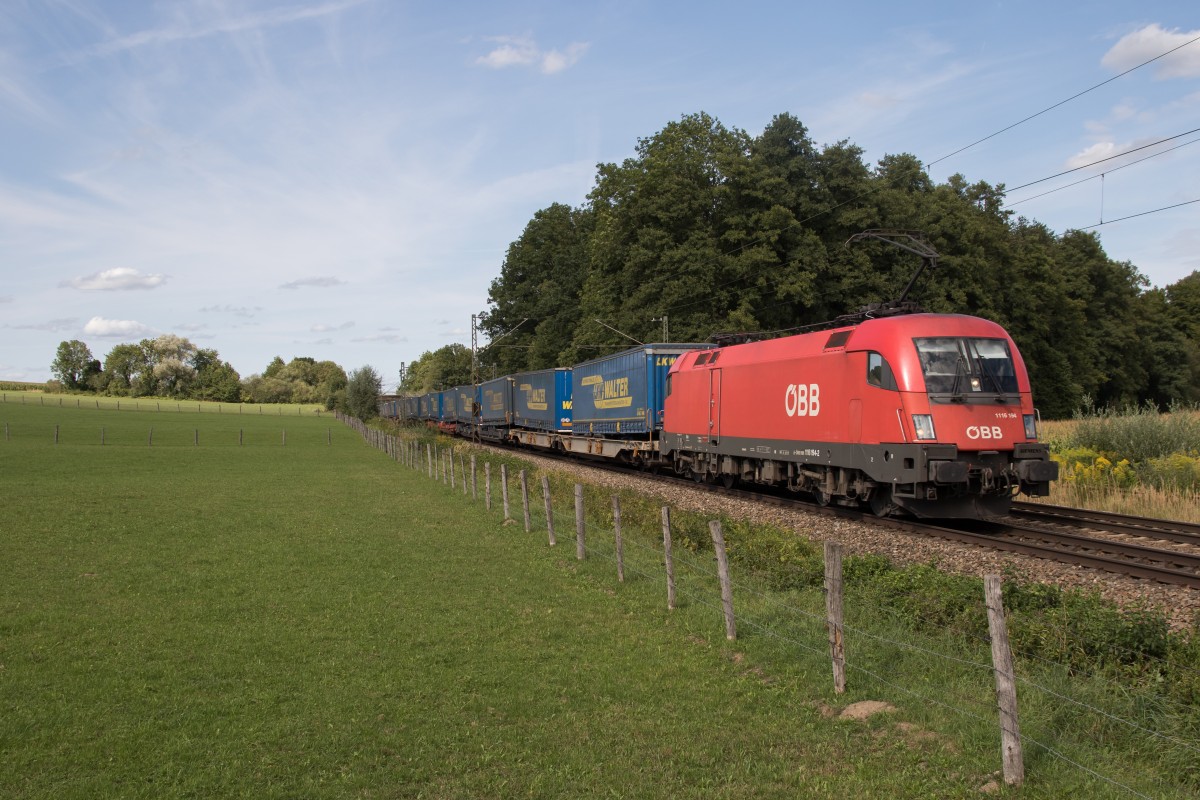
x,y
385,338
1094,153
237,311
225,25
522,51
6,298
1153,40
328,328
61,324
113,280
114,328
321,282
878,99
512,52
555,61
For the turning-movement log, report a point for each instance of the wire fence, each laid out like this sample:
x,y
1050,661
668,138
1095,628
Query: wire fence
x,y
1066,719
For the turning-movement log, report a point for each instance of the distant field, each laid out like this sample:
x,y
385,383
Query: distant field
x,y
312,619
10,396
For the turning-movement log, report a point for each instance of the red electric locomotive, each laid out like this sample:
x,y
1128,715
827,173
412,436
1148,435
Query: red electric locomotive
x,y
930,413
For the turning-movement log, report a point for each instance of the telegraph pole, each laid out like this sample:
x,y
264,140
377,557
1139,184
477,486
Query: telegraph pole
x,y
663,320
474,352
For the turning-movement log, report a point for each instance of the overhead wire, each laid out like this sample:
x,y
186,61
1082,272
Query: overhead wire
x,y
1102,160
1093,177
1062,102
1142,214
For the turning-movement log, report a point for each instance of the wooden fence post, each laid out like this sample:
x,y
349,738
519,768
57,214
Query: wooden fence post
x,y
504,489
474,480
284,432
462,468
1006,686
549,510
668,559
196,437
150,439
620,544
56,434
487,485
833,614
718,538
429,458
525,499
580,551
453,484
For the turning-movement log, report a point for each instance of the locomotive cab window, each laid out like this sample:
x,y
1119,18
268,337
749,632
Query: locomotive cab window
x,y
962,367
879,372
701,360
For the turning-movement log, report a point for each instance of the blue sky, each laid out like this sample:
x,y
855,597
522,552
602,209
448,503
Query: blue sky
x,y
341,178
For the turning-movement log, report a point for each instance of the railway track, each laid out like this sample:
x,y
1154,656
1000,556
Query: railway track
x,y
1122,524
1164,551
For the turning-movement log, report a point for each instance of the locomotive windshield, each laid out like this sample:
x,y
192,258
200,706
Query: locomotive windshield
x,y
962,367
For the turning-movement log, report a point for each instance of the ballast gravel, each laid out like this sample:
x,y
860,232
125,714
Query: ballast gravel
x,y
1180,605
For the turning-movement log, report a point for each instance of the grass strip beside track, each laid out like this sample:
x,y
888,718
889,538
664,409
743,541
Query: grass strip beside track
x,y
316,620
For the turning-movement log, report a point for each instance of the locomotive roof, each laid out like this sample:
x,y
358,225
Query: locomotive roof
x,y
879,334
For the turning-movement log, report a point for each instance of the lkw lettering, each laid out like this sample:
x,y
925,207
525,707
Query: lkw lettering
x,y
985,432
802,400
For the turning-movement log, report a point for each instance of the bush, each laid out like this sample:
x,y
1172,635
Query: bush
x,y
1176,471
1138,434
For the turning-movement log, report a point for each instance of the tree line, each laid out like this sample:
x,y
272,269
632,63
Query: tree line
x,y
172,366
714,230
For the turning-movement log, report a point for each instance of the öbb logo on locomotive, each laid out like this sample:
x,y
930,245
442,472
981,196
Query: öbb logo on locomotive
x,y
985,432
802,400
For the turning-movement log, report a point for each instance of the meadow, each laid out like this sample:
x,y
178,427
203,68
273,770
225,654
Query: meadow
x,y
1128,461
297,615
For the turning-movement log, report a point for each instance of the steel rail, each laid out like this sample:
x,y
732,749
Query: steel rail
x,y
1149,527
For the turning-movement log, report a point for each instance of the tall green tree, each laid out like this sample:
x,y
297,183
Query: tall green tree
x,y
215,379
444,368
122,367
534,303
660,219
73,364
362,393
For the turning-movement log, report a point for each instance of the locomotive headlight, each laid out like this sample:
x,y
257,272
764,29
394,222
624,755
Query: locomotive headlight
x,y
1030,426
923,424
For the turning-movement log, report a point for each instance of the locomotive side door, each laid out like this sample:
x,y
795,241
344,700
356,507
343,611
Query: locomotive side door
x,y
714,405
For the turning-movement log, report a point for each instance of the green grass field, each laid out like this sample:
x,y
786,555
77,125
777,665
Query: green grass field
x,y
316,620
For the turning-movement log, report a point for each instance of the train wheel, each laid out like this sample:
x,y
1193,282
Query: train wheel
x,y
821,496
728,480
881,501
697,477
